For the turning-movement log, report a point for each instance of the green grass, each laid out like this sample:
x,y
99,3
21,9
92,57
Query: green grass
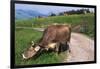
x,y
72,19
24,23
22,40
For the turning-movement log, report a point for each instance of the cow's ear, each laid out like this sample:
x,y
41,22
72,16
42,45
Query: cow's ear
x,y
32,43
31,48
37,48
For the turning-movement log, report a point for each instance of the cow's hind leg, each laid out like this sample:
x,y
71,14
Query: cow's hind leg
x,y
68,47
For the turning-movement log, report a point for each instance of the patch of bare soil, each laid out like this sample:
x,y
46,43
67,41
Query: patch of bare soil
x,y
82,48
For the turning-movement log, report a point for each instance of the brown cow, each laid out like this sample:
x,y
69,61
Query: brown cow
x,y
53,36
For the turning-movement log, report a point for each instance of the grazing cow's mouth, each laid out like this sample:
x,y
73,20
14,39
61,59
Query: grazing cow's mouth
x,y
30,52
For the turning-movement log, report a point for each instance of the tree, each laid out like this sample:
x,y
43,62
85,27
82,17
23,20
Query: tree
x,y
52,14
61,13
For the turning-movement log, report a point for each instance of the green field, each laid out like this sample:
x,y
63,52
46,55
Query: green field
x,y
74,20
24,36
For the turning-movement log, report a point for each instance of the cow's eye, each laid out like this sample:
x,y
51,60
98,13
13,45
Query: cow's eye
x,y
30,49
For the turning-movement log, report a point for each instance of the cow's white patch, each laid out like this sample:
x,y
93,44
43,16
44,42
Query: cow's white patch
x,y
37,48
24,56
52,45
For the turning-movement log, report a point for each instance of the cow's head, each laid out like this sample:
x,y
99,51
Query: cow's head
x,y
31,51
35,49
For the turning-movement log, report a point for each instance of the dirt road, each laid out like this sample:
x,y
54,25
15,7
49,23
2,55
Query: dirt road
x,y
82,47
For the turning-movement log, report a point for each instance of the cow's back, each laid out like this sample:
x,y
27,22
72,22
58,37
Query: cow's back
x,y
56,33
61,32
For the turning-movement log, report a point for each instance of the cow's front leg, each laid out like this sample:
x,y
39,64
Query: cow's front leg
x,y
57,48
46,48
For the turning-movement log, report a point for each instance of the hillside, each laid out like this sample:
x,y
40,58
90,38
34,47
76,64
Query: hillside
x,y
75,20
27,14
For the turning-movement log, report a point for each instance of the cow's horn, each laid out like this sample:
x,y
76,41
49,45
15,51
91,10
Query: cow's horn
x,y
23,56
32,42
